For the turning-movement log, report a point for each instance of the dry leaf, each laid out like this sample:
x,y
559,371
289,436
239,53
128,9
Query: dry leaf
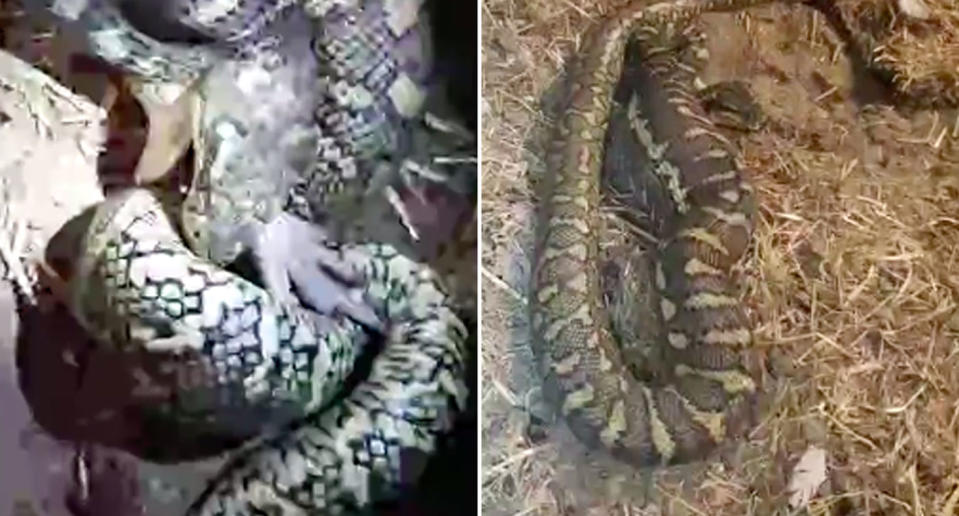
x,y
808,474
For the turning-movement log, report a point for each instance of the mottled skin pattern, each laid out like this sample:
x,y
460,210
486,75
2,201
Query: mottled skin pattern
x,y
699,208
375,60
137,285
112,38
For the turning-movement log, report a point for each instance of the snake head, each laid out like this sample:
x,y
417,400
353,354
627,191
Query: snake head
x,y
732,105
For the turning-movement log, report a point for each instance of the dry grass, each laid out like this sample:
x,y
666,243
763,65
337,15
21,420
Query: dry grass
x,y
852,282
923,52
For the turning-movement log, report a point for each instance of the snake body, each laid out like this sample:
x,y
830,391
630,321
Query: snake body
x,y
376,61
702,391
700,210
136,286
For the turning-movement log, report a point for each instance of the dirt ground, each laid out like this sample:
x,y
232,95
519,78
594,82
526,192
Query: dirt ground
x,y
851,283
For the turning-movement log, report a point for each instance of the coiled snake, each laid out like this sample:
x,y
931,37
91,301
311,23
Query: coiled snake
x,y
698,203
136,285
700,209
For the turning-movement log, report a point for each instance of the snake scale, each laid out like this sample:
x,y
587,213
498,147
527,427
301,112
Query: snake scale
x,y
137,285
704,390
